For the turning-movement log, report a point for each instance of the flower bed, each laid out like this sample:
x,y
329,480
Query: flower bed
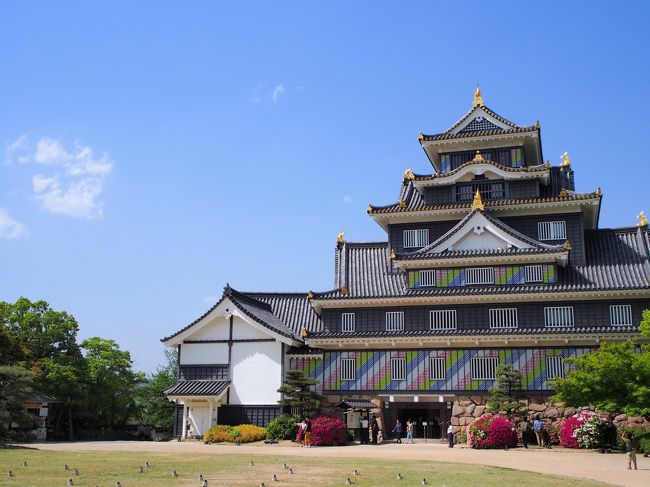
x,y
243,433
587,430
492,431
328,431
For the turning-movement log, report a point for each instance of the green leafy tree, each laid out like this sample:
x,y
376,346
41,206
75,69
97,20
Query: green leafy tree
x,y
298,393
155,408
12,351
615,378
16,385
111,382
51,338
506,395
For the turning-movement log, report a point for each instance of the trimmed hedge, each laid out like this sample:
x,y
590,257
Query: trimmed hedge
x,y
243,433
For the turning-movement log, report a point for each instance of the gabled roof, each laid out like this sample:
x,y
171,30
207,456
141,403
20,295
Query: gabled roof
x,y
616,259
282,313
479,221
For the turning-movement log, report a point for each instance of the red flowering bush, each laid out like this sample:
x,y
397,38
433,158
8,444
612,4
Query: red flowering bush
x,y
568,438
328,431
491,431
587,430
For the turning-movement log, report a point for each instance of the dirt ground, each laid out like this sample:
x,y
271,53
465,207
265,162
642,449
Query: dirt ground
x,y
609,468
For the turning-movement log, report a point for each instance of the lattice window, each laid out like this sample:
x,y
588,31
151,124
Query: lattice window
x,y
442,319
348,369
620,314
484,368
394,320
437,368
554,367
551,230
416,238
479,275
535,273
427,278
398,368
479,124
347,322
503,318
557,316
204,372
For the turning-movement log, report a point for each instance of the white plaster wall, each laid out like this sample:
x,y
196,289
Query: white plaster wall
x,y
484,241
256,373
204,353
216,329
242,330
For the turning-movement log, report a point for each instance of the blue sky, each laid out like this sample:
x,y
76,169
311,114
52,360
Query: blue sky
x,y
153,151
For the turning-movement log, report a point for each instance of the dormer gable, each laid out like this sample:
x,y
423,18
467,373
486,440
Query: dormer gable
x,y
478,237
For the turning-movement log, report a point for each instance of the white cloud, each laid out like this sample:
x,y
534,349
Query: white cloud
x,y
17,150
50,151
78,198
347,199
277,91
210,299
10,228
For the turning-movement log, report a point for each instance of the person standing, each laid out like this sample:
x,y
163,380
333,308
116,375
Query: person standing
x,y
630,449
375,429
450,435
538,428
308,437
364,431
398,431
524,428
409,431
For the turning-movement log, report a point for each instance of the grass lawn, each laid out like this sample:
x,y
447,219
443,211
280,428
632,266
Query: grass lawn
x,y
104,469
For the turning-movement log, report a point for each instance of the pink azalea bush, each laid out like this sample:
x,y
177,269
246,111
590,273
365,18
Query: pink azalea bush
x,y
587,430
491,431
328,431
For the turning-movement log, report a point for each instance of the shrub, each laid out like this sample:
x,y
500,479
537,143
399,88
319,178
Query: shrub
x,y
553,431
491,431
587,430
328,431
244,433
284,427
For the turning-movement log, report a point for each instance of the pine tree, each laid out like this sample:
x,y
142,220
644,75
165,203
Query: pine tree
x,y
297,392
505,397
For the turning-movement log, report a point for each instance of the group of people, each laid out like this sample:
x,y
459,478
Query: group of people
x,y
304,433
397,430
541,434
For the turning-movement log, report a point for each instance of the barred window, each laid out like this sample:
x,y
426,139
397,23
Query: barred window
x,y
398,368
348,369
442,319
347,322
534,273
551,230
503,318
394,320
554,367
620,314
436,368
427,278
479,275
557,316
484,368
416,238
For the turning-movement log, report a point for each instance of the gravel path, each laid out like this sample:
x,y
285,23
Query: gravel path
x,y
609,468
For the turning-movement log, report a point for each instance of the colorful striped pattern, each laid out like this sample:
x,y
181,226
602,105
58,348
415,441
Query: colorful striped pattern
x,y
503,276
373,369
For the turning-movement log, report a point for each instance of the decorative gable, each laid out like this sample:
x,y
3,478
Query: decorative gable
x,y
478,124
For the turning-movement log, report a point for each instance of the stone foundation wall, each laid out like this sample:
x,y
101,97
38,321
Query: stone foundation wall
x,y
467,409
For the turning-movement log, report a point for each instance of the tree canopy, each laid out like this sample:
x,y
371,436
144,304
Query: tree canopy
x,y
297,392
93,382
505,396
